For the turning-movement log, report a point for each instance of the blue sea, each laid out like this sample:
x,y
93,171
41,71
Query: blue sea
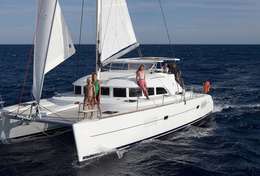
x,y
227,143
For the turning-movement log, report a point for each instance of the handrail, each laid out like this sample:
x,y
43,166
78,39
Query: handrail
x,y
85,112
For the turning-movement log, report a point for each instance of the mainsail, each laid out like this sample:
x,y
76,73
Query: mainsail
x,y
115,30
52,45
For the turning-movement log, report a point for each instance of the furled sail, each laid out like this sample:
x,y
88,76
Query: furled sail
x,y
52,45
115,30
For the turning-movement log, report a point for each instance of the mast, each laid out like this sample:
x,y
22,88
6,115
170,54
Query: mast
x,y
98,31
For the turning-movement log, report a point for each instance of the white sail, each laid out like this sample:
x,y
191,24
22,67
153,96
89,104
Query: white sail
x,y
115,30
53,43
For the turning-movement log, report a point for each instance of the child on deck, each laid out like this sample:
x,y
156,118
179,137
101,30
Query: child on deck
x,y
97,90
89,95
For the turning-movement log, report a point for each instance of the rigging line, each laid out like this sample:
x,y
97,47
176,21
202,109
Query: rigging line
x,y
51,111
170,42
80,37
26,74
139,50
30,58
166,27
21,113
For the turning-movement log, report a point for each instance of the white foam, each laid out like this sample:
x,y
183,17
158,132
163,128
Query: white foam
x,y
245,106
220,107
120,153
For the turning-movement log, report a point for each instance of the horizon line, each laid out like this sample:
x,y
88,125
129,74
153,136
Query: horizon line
x,y
154,44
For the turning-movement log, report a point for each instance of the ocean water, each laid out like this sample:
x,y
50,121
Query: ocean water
x,y
227,143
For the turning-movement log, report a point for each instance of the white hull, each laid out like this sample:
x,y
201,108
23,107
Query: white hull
x,y
11,128
95,138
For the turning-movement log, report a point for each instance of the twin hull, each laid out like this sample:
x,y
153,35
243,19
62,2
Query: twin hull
x,y
95,138
11,128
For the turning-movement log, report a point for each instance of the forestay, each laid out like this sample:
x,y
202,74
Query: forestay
x,y
115,30
53,43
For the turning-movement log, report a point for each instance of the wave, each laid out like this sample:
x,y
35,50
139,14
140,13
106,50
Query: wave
x,y
221,107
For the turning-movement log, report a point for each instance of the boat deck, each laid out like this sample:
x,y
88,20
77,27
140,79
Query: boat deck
x,y
67,109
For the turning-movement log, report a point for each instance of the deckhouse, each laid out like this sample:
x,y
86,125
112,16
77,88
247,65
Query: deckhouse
x,y
121,83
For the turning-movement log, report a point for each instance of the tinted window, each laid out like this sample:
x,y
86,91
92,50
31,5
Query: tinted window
x,y
119,92
105,91
151,91
77,90
158,66
160,90
135,92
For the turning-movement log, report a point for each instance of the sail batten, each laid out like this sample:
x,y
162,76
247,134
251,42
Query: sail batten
x,y
116,29
52,45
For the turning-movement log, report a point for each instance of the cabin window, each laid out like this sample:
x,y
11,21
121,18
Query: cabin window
x,y
77,90
160,91
135,92
150,91
105,91
119,92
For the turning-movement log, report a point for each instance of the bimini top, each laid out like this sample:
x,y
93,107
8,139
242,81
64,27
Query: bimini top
x,y
151,63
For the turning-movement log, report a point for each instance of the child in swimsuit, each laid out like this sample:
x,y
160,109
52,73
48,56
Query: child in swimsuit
x,y
89,95
140,79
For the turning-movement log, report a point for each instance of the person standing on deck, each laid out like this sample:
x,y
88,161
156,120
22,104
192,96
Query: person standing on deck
x,y
165,68
206,87
96,84
140,79
173,69
89,96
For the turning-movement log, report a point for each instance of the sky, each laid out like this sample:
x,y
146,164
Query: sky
x,y
189,21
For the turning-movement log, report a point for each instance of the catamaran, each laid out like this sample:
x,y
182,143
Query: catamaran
x,y
126,116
